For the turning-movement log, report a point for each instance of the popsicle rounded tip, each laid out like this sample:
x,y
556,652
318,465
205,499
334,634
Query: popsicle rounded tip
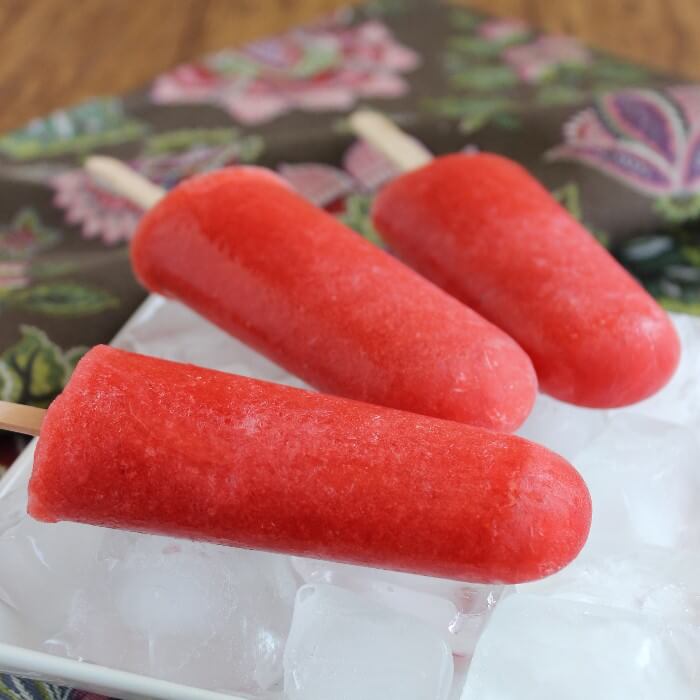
x,y
545,519
482,228
648,341
240,247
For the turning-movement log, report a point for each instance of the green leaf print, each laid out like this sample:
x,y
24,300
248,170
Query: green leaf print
x,y
479,78
464,20
552,94
73,356
474,46
678,209
9,386
500,59
615,72
648,256
668,265
480,112
384,8
248,147
230,63
60,299
68,264
36,369
569,197
680,305
5,692
314,60
25,236
15,688
475,112
99,122
357,217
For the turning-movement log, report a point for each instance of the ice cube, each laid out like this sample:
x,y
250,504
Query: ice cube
x,y
679,401
645,484
457,610
345,647
35,559
649,580
546,649
459,679
200,614
350,575
561,427
16,629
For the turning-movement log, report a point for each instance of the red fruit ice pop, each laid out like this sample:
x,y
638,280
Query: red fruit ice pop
x,y
245,251
483,229
145,444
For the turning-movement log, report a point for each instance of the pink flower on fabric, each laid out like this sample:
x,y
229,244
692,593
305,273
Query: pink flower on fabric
x,y
647,139
502,29
536,60
315,69
95,209
344,192
112,218
369,167
364,170
13,275
321,184
26,236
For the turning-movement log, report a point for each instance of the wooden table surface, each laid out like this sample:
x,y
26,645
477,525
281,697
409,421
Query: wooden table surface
x,y
57,52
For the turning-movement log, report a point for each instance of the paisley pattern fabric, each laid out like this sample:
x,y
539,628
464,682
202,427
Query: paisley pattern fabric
x,y
646,139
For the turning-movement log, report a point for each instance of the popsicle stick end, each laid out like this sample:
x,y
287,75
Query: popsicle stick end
x,y
18,418
123,180
405,152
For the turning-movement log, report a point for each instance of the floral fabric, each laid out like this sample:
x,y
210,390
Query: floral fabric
x,y
617,144
326,67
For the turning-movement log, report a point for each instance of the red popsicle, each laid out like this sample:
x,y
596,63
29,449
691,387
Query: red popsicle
x,y
483,229
156,446
242,249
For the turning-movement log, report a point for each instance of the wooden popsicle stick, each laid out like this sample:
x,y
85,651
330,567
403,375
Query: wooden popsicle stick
x,y
123,180
19,418
405,152
401,149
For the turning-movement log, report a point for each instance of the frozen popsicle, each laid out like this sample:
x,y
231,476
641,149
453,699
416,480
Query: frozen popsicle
x,y
483,229
155,446
248,253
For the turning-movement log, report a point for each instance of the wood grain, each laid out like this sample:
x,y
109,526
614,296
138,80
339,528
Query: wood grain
x,y
56,53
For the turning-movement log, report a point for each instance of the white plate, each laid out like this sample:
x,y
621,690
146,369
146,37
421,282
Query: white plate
x,y
15,657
